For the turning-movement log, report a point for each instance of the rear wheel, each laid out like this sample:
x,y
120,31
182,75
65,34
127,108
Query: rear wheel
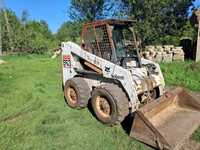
x,y
110,104
77,92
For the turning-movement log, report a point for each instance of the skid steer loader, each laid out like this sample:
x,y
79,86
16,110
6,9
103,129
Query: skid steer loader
x,y
107,71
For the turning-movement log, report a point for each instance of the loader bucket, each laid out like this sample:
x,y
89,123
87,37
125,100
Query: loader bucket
x,y
167,122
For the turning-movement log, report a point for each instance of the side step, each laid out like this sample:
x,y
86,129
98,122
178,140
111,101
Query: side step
x,y
167,122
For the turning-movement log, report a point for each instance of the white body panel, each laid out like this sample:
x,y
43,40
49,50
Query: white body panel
x,y
130,79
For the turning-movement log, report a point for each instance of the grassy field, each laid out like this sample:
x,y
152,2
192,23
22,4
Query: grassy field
x,y
33,114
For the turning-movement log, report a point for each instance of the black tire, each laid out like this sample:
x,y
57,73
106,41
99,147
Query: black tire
x,y
81,89
118,102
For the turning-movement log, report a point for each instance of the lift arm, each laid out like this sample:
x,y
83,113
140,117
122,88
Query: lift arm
x,y
71,55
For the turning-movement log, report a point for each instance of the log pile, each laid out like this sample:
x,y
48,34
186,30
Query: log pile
x,y
165,53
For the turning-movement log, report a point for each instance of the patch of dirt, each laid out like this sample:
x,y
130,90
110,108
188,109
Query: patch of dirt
x,y
12,118
191,145
15,116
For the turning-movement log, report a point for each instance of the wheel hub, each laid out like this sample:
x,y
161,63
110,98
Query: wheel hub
x,y
103,106
71,94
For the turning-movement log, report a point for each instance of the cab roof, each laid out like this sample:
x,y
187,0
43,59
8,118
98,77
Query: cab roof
x,y
112,22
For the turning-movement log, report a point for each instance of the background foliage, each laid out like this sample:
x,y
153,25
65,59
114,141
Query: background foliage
x,y
24,35
157,22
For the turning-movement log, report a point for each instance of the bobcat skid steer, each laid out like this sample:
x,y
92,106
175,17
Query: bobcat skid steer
x,y
107,70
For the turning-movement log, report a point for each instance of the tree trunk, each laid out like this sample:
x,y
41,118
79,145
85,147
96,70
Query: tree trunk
x,y
8,30
198,44
198,37
0,38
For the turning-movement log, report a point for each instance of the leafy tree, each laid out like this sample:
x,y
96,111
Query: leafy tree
x,y
69,31
37,38
89,9
10,26
158,20
39,27
26,36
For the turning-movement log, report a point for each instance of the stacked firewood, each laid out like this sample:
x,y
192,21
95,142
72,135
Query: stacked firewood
x,y
165,53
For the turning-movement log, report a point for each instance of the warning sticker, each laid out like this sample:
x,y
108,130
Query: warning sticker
x,y
67,61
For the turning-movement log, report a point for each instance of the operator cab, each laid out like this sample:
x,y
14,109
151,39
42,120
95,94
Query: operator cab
x,y
113,40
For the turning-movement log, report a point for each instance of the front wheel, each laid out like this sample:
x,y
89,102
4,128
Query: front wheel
x,y
110,104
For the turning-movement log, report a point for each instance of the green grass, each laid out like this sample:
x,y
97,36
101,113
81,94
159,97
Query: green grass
x,y
185,74
34,116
